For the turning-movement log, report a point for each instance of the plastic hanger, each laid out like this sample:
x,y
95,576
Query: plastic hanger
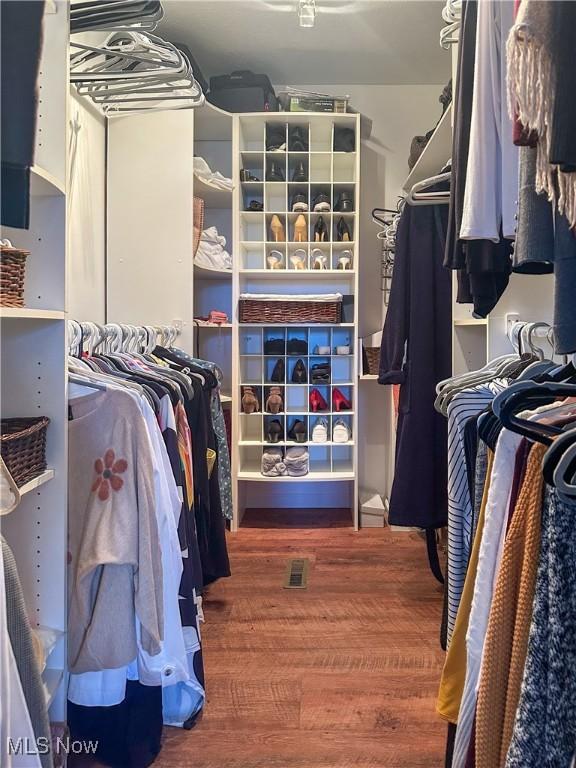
x,y
417,195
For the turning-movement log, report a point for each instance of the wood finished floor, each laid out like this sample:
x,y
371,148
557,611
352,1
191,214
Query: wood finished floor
x,y
341,675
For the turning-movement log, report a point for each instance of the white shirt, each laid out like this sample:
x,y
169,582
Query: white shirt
x,y
491,193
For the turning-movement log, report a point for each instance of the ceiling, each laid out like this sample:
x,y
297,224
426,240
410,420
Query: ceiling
x,y
372,42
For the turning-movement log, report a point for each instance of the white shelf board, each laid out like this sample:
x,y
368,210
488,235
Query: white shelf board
x,y
208,273
52,679
285,274
311,477
297,325
26,313
225,399
44,184
211,326
212,123
368,377
31,485
435,154
214,197
468,321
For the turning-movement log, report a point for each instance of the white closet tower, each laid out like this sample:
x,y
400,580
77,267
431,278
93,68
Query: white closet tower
x,y
33,342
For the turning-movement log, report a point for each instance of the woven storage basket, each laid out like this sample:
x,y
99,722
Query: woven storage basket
x,y
23,447
197,222
373,360
12,272
285,312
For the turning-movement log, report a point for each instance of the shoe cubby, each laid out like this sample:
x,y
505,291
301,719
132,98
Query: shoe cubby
x,y
320,169
252,226
272,149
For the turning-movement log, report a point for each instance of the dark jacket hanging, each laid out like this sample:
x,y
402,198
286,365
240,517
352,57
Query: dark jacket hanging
x,y
416,353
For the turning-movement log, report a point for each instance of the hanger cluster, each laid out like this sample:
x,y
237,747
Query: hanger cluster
x,y
115,337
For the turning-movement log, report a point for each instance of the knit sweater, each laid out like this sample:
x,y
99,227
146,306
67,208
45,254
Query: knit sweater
x,y
509,622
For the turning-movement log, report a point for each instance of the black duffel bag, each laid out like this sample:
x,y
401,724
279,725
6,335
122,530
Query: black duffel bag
x,y
243,91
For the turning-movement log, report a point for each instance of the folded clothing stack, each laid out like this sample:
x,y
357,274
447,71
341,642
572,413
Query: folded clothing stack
x,y
273,463
203,172
297,461
212,251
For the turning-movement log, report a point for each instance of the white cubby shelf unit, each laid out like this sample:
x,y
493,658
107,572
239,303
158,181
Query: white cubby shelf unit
x,y
33,369
329,173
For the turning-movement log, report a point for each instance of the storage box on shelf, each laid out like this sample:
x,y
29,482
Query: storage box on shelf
x,y
303,242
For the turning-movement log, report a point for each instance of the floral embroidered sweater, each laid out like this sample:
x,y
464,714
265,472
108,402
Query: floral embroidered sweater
x,y
115,570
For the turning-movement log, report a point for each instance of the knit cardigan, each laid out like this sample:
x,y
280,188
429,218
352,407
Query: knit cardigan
x,y
509,622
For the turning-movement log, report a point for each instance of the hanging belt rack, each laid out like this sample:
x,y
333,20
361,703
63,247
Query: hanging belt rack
x,y
387,237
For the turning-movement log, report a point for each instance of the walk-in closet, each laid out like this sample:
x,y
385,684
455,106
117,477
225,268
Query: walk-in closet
x,y
288,384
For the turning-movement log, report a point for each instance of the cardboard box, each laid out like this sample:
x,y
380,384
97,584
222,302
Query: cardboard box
x,y
316,104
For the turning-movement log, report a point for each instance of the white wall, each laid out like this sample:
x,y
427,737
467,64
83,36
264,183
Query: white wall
x,y
398,113
87,212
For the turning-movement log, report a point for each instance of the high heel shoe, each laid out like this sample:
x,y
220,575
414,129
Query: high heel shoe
x,y
297,431
275,172
340,402
277,229
250,402
345,260
317,402
320,231
274,401
300,174
275,260
319,259
300,229
298,259
278,372
343,232
299,374
275,431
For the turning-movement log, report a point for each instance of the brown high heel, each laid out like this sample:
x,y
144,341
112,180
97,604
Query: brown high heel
x,y
277,230
250,402
300,229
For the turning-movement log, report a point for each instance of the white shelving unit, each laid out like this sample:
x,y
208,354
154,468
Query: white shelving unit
x,y
330,173
33,371
435,153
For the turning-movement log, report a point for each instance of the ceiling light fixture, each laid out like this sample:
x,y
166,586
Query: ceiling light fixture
x,y
306,13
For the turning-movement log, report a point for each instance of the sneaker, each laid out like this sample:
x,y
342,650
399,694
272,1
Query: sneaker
x,y
299,202
345,203
322,203
341,432
320,431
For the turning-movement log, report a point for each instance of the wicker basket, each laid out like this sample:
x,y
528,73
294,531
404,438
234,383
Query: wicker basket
x,y
373,360
23,447
286,312
12,271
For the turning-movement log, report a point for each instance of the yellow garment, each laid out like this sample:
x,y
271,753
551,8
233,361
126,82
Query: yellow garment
x,y
506,642
454,672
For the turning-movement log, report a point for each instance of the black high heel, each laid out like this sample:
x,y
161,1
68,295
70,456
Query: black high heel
x,y
278,372
298,432
275,431
320,231
343,232
299,375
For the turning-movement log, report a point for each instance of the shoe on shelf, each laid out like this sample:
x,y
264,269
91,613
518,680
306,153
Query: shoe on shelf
x,y
321,203
247,176
300,174
255,205
250,402
297,139
317,402
275,431
299,374
274,401
320,231
319,260
278,372
342,349
345,260
320,431
297,431
301,229
299,202
321,350
345,203
297,347
341,432
340,402
344,139
275,260
343,232
320,373
274,346
298,259
277,232
275,138
275,172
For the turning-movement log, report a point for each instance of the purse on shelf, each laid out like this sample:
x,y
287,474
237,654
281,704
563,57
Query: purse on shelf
x,y
274,347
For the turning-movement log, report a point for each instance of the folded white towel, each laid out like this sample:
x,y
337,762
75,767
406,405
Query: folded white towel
x,y
292,297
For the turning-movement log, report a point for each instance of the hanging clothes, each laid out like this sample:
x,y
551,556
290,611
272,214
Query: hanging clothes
x,y
415,353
